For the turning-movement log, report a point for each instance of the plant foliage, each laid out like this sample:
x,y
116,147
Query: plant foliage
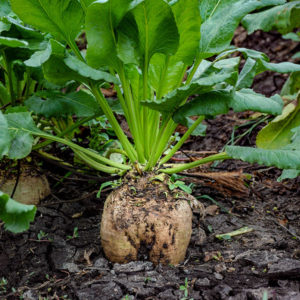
x,y
154,61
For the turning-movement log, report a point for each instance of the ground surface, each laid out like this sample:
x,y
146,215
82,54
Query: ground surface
x,y
51,262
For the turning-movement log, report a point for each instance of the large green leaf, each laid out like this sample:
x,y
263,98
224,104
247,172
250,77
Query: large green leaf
x,y
16,216
281,158
101,21
62,67
149,31
175,98
62,18
209,104
219,102
283,18
247,99
286,157
4,136
165,77
58,104
188,21
221,18
278,133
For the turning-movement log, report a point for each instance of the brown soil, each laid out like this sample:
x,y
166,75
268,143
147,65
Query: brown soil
x,y
51,262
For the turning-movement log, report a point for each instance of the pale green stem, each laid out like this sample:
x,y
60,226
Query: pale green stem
x,y
193,71
97,166
75,147
145,114
112,150
181,167
182,140
159,144
63,133
171,126
114,123
75,49
133,117
90,153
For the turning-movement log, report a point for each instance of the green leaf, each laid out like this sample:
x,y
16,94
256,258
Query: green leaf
x,y
284,67
39,57
5,8
292,85
20,141
283,18
12,42
221,18
247,53
281,158
231,64
200,130
247,74
58,104
56,71
262,63
15,215
88,72
219,102
188,21
21,144
209,104
102,19
172,101
292,36
4,136
247,99
168,80
60,70
296,56
150,31
278,133
86,3
288,174
4,26
4,95
32,36
62,18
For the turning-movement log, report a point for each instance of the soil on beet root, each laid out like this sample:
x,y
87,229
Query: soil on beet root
x,y
60,256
